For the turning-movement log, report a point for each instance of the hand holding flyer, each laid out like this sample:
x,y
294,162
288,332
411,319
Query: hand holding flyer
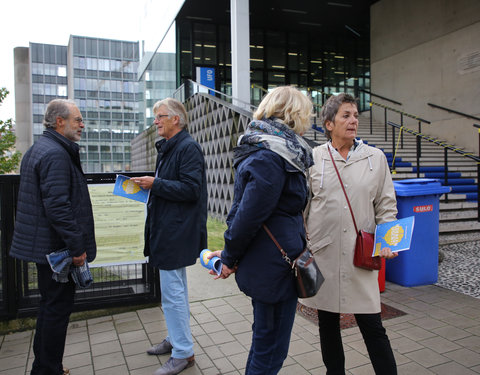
x,y
212,264
396,235
125,187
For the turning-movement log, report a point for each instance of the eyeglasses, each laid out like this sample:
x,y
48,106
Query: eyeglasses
x,y
78,120
158,117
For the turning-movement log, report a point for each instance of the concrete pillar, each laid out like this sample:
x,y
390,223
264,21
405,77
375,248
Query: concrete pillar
x,y
240,35
23,102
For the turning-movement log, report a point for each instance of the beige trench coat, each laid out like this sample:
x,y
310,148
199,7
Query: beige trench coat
x,y
368,183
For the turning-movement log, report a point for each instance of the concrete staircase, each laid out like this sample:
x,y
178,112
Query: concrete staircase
x,y
458,211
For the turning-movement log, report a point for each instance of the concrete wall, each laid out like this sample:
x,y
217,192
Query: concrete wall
x,y
23,104
428,51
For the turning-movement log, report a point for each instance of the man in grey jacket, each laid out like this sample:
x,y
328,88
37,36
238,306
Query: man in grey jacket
x,y
54,213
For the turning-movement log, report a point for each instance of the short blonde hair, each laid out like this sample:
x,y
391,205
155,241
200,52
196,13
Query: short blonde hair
x,y
174,108
288,104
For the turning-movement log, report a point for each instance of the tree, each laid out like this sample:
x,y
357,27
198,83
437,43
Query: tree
x,y
9,158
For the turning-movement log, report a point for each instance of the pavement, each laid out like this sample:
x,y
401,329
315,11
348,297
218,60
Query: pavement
x,y
439,334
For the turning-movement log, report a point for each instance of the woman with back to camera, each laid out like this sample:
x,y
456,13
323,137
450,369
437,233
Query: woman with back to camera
x,y
348,289
270,187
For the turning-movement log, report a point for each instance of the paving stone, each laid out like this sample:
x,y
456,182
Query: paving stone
x,y
77,360
239,327
452,368
117,370
214,326
110,360
138,347
310,360
465,357
294,369
440,344
128,326
413,368
13,371
141,360
106,348
132,336
231,317
427,357
13,348
405,345
103,337
451,333
416,333
77,348
221,337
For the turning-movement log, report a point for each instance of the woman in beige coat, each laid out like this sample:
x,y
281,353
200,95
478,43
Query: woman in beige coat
x,y
348,289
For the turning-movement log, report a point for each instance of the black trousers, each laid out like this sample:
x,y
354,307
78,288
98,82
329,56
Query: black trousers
x,y
376,341
56,304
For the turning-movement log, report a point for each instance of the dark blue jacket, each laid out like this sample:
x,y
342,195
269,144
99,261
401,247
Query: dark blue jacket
x,y
267,190
54,209
176,225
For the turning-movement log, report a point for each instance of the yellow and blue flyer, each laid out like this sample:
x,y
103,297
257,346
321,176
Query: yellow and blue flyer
x,y
125,187
396,235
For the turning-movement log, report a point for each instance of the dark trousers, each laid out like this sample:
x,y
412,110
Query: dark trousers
x,y
272,327
56,304
376,341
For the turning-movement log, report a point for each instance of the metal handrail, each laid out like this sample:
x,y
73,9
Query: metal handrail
x,y
402,115
401,112
380,96
453,111
253,85
177,93
419,136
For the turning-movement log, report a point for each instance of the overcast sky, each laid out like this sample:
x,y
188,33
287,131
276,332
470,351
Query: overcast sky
x,y
53,21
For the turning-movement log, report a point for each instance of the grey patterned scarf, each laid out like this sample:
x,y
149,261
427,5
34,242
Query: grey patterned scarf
x,y
279,138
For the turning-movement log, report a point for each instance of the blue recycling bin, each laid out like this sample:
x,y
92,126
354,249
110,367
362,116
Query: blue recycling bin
x,y
418,197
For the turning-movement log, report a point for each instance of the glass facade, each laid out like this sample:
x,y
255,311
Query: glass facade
x,y
107,93
48,65
159,82
101,76
278,57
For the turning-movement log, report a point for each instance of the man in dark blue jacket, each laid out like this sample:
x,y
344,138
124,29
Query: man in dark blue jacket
x,y
175,228
54,212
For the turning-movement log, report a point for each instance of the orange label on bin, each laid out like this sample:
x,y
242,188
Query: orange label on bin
x,y
426,208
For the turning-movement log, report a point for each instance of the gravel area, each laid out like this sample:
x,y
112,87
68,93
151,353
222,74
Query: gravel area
x,y
460,268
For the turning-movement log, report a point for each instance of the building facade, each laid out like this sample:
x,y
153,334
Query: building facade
x,y
100,75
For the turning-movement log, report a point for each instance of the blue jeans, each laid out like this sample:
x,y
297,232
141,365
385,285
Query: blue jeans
x,y
272,327
56,305
173,285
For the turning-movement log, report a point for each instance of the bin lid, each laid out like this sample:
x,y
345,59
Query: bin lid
x,y
420,186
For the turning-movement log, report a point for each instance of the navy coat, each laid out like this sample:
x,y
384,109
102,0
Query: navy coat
x,y
54,209
176,225
267,190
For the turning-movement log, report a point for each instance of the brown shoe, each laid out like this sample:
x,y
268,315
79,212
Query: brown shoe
x,y
66,371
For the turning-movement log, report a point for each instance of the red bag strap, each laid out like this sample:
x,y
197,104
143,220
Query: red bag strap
x,y
343,188
284,254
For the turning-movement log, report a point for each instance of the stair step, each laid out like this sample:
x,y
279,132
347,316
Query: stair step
x,y
463,188
458,215
450,238
459,226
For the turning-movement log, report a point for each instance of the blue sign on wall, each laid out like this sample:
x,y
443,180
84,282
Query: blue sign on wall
x,y
206,76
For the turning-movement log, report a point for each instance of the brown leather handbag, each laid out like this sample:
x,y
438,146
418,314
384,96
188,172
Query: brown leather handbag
x,y
364,244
